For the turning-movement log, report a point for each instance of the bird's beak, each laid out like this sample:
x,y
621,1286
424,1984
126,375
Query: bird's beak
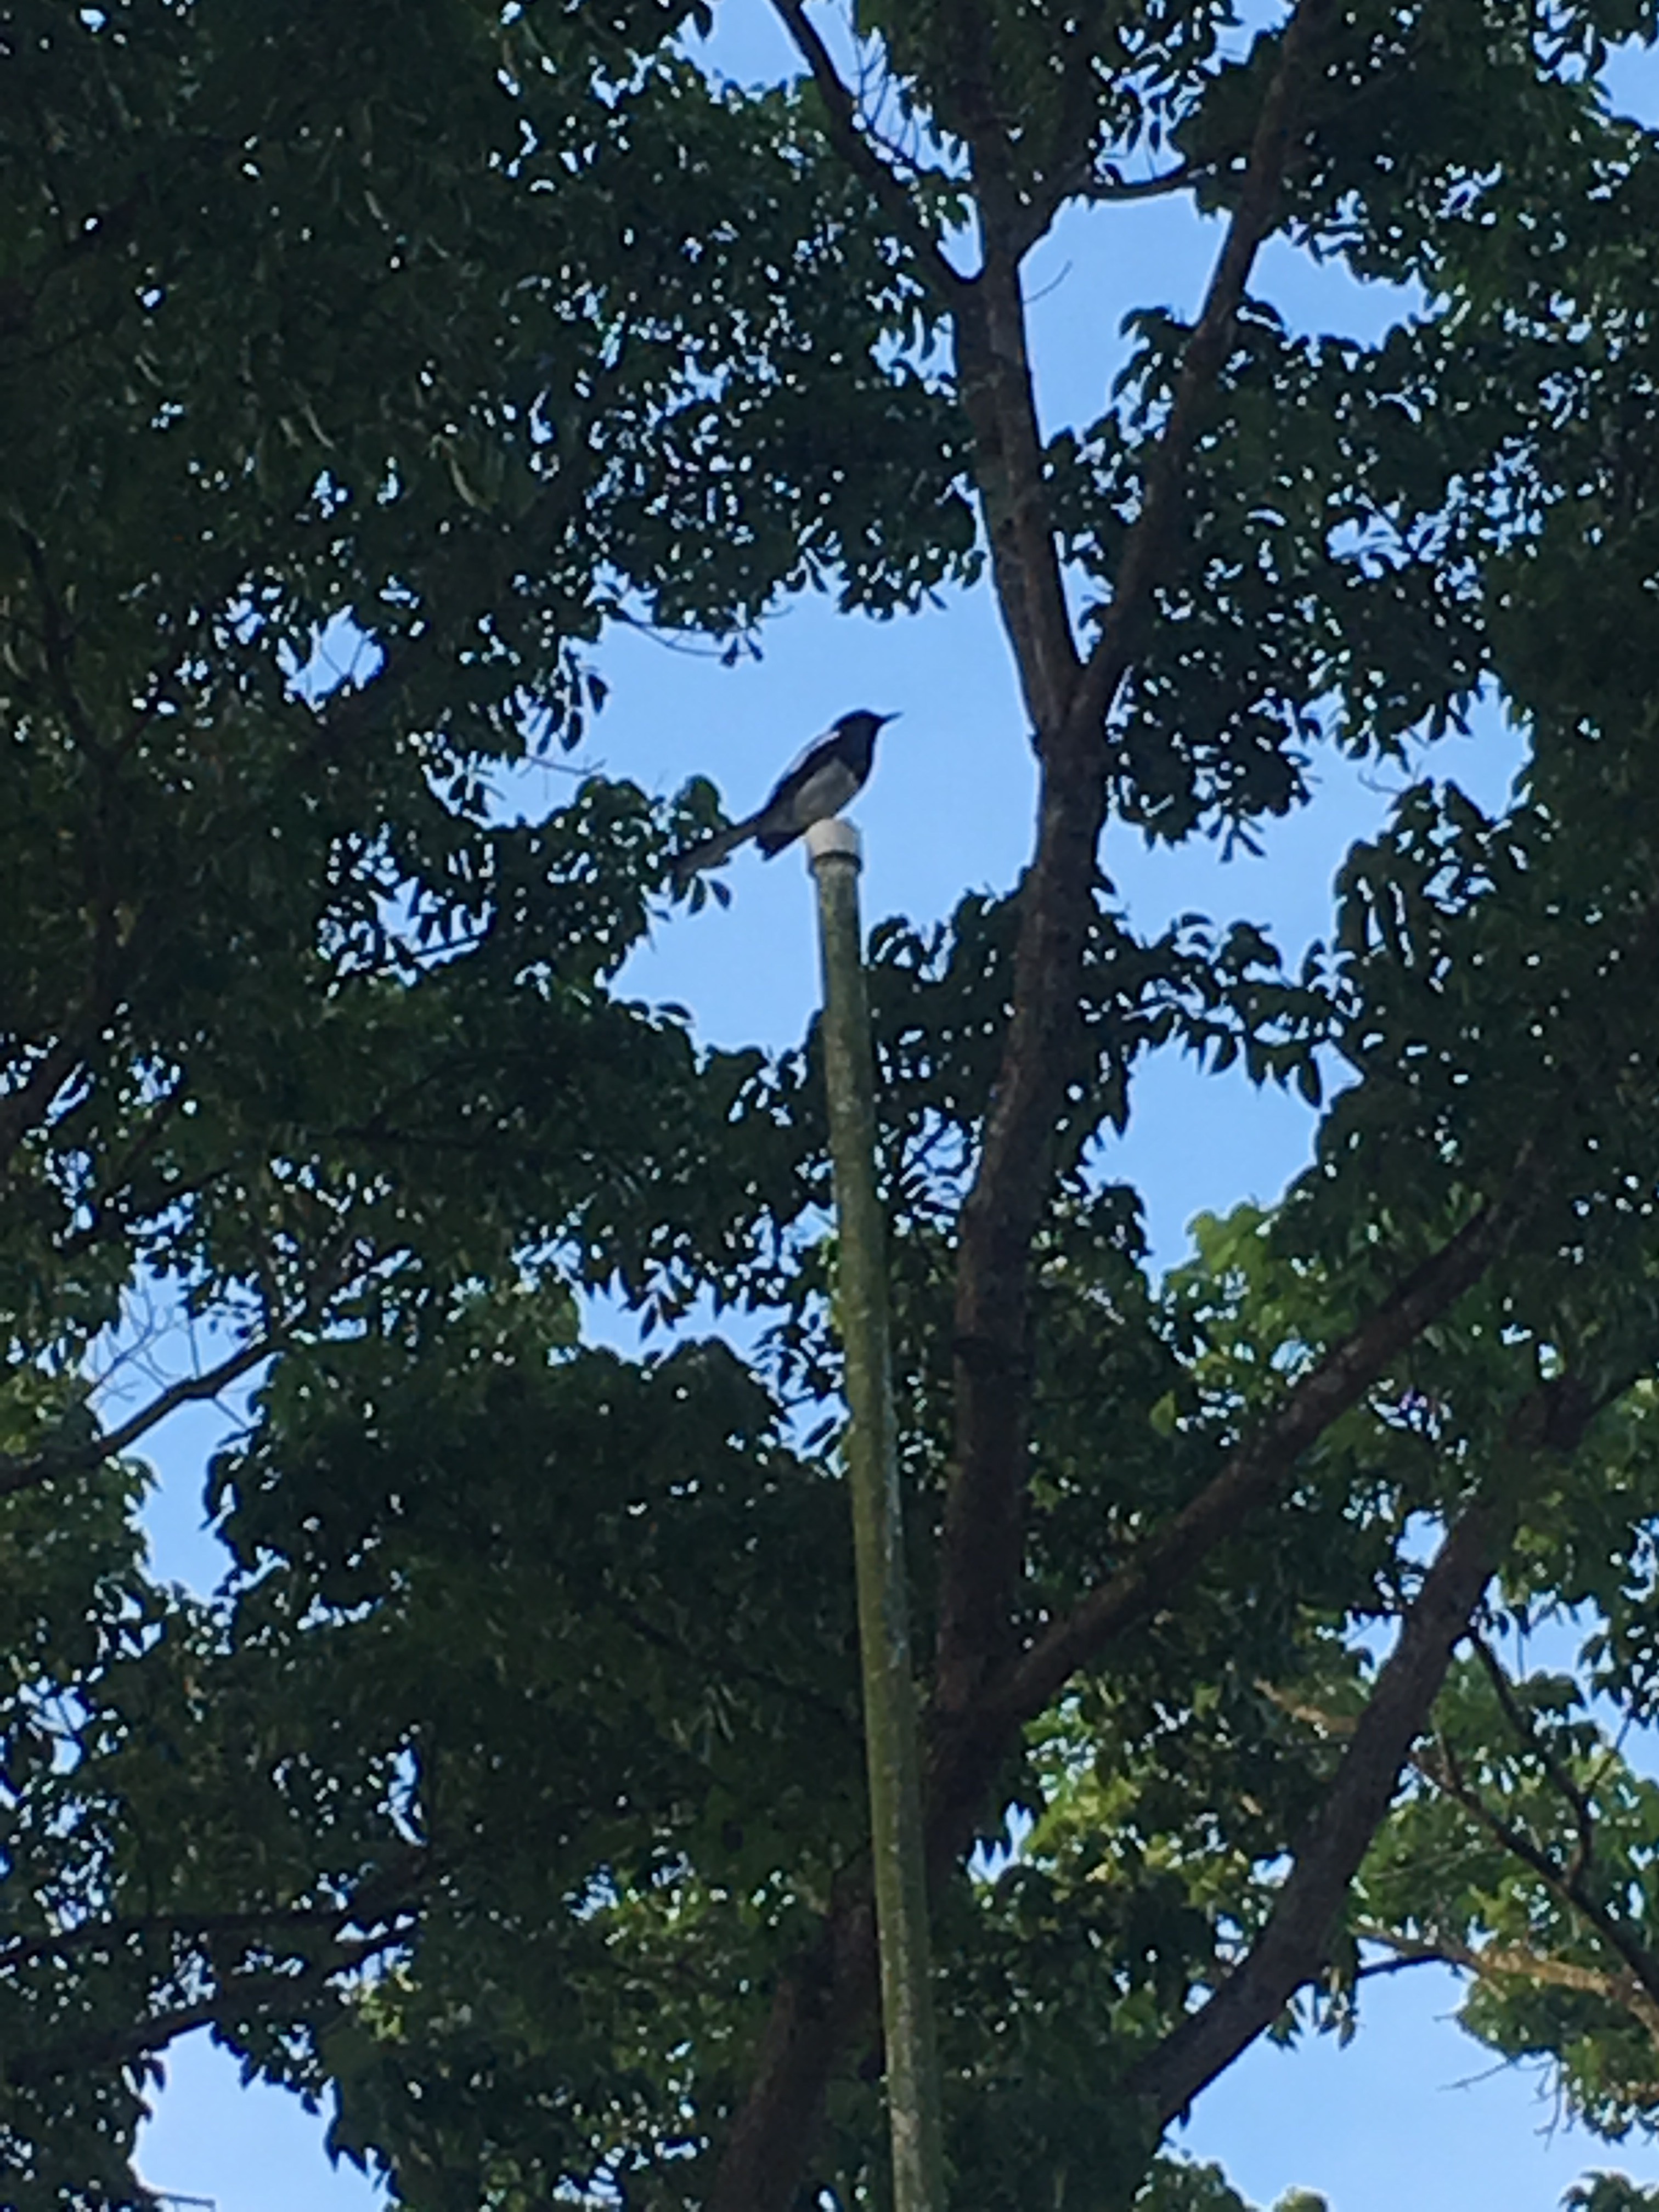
x,y
882,720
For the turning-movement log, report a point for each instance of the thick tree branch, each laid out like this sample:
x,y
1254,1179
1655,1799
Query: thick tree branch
x,y
1253,219
244,1999
1069,703
999,394
1292,1945
851,142
1260,1470
820,2005
995,373
19,1473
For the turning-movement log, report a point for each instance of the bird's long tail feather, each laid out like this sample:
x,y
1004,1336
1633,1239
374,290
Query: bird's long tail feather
x,y
713,850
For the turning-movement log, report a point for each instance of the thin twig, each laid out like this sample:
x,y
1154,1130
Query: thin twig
x,y
1526,1730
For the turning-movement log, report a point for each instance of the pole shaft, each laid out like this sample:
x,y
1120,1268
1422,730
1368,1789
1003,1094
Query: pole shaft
x,y
871,1461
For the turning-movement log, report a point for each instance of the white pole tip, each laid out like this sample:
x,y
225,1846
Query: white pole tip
x,y
833,839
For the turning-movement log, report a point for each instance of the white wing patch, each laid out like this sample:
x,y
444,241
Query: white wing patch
x,y
824,793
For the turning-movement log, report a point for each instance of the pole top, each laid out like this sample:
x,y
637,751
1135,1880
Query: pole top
x,y
833,839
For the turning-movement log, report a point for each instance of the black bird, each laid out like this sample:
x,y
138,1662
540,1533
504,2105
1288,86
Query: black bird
x,y
833,769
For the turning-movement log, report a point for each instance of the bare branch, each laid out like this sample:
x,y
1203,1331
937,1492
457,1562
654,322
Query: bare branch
x,y
20,1473
1256,1473
333,1268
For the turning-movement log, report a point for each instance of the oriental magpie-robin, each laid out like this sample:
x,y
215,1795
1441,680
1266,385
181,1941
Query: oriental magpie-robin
x,y
817,784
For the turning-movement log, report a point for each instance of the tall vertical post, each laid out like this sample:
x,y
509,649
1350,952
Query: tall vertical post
x,y
871,1460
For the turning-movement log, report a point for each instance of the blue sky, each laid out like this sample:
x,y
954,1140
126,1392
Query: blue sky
x,y
1412,2112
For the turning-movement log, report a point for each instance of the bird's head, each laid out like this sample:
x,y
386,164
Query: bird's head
x,y
861,725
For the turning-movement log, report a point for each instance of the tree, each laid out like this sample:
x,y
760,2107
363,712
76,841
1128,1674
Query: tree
x,y
513,1789
1607,2192
302,1029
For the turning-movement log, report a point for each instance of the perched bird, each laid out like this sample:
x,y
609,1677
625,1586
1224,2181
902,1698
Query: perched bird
x,y
817,784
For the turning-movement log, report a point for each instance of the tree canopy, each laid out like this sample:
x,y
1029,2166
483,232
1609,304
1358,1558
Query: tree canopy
x,y
509,1792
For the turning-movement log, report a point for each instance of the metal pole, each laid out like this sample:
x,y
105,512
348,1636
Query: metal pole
x,y
871,1459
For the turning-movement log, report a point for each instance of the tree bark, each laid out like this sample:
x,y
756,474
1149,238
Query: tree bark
x,y
1069,700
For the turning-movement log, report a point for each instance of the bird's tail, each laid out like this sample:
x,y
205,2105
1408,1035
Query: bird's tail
x,y
711,851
